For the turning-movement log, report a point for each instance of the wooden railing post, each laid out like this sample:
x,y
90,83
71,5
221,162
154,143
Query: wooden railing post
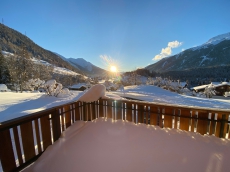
x,y
119,109
85,111
93,111
101,108
222,126
56,125
129,111
6,151
140,114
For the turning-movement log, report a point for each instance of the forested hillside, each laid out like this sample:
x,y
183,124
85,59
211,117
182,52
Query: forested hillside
x,y
12,41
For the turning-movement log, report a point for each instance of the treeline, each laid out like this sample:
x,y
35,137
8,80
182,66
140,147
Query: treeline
x,y
200,76
16,70
194,77
142,72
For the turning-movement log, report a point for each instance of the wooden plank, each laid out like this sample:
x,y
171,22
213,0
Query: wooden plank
x,y
167,118
93,111
124,110
119,109
153,115
223,125
46,134
141,112
194,121
17,144
202,124
218,124
147,115
213,124
185,122
109,108
225,117
77,111
37,136
89,112
6,151
61,112
101,108
96,109
129,111
27,140
160,121
84,111
72,108
67,116
135,114
56,125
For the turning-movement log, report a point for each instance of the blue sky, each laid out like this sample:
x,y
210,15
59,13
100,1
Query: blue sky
x,y
130,33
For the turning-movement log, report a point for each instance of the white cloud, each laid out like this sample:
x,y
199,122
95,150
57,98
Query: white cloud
x,y
168,50
174,44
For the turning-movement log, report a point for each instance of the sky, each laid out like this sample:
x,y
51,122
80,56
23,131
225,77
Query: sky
x,y
126,33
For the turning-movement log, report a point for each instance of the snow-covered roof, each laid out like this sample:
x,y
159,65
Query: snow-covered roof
x,y
79,85
3,87
214,85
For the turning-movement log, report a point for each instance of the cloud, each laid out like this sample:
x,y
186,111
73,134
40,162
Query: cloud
x,y
174,44
168,50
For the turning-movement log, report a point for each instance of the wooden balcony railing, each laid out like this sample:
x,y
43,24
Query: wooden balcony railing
x,y
23,140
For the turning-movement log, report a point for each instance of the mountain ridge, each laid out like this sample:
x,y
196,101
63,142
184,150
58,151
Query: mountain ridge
x,y
85,66
215,52
12,41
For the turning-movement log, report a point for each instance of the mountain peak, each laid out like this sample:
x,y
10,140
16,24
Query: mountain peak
x,y
215,40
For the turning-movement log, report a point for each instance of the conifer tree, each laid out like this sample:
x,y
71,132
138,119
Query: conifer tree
x,y
4,72
24,67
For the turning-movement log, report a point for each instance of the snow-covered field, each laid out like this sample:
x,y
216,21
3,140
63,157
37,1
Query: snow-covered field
x,y
106,145
159,95
14,105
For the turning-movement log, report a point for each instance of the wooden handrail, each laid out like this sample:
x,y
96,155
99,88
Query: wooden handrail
x,y
30,135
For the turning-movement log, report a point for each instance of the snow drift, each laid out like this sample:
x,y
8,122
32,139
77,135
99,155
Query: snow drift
x,y
106,145
93,94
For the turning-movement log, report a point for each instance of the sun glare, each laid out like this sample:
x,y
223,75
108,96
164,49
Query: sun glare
x,y
113,69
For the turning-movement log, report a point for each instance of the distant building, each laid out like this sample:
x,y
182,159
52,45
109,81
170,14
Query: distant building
x,y
219,88
79,87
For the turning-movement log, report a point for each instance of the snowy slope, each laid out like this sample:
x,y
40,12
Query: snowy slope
x,y
217,39
215,52
81,62
59,70
85,66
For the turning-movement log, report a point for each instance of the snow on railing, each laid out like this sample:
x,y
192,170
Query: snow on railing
x,y
24,139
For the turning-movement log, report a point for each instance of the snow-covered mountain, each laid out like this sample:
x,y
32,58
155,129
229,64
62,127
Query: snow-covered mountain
x,y
215,52
85,66
56,69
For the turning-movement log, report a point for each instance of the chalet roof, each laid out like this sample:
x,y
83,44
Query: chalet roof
x,y
214,85
77,86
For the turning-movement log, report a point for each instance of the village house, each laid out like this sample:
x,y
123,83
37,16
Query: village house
x,y
220,89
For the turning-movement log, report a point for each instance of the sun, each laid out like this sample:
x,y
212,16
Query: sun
x,y
113,69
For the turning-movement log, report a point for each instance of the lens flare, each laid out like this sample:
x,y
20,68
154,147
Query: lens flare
x,y
112,66
113,69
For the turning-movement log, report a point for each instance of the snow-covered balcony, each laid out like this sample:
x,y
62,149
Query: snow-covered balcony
x,y
109,135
